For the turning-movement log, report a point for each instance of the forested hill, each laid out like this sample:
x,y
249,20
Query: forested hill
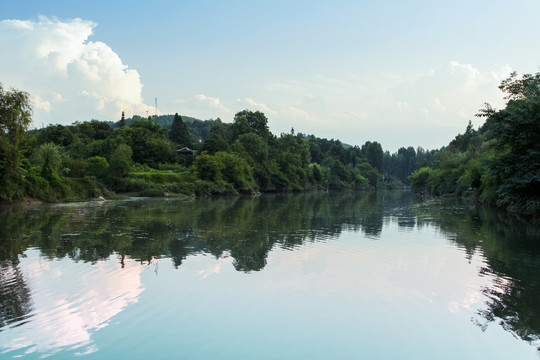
x,y
497,163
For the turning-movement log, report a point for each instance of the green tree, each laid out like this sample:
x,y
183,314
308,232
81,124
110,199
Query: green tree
x,y
255,146
373,152
214,144
516,130
420,179
121,160
15,114
520,89
148,142
223,130
370,173
122,121
235,170
57,134
92,130
15,117
47,156
179,133
208,167
96,166
513,134
247,121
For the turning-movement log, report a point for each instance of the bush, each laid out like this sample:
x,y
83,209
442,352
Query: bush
x,y
37,187
208,168
236,171
203,187
422,180
121,160
97,166
75,168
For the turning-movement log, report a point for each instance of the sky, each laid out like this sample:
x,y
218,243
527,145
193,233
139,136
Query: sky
x,y
402,73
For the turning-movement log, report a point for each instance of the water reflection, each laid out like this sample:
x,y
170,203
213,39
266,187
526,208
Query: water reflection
x,y
113,239
511,247
67,304
15,300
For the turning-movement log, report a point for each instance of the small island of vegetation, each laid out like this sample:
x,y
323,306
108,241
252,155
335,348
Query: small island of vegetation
x,y
497,164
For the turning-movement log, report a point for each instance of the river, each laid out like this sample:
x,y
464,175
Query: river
x,y
284,276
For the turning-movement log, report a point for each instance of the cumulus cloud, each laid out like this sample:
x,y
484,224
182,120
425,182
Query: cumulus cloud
x,y
253,105
39,103
69,77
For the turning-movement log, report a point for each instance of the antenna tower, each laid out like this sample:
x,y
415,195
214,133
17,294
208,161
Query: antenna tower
x,y
156,107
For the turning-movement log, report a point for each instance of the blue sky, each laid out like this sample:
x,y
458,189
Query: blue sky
x,y
403,73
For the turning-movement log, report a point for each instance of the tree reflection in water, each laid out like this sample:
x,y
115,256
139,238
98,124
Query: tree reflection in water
x,y
15,300
247,229
511,247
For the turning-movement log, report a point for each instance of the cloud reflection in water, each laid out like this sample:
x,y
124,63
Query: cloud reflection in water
x,y
69,304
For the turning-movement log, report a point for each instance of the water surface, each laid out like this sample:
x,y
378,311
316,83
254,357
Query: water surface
x,y
299,276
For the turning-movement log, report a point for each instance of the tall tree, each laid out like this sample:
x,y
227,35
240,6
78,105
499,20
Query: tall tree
x,y
373,152
123,120
121,160
516,130
520,89
48,157
179,133
15,114
247,121
15,117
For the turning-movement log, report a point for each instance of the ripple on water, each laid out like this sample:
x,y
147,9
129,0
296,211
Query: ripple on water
x,y
68,301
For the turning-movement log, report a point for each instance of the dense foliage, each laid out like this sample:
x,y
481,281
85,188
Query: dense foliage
x,y
497,164
500,162
140,155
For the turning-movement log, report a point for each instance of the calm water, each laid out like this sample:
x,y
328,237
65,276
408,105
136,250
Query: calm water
x,y
306,276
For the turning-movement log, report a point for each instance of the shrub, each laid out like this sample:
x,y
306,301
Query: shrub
x,y
97,166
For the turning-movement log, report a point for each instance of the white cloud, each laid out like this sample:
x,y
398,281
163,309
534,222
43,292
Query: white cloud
x,y
394,109
451,89
201,106
39,103
213,103
253,105
69,77
72,79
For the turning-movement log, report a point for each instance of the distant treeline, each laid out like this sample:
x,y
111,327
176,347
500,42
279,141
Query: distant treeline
x,y
140,155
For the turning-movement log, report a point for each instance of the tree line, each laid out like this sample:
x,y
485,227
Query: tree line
x,y
140,155
497,164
